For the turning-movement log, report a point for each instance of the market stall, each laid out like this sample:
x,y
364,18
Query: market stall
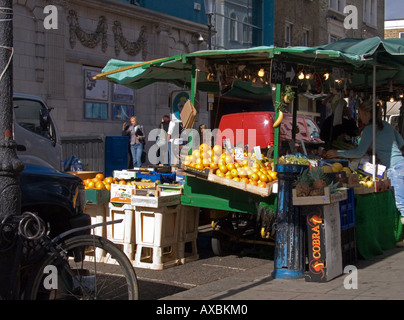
x,y
349,65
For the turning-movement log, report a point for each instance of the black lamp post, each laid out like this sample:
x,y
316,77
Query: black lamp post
x,y
210,9
10,165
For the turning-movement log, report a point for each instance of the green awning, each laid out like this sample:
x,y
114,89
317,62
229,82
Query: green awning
x,y
356,56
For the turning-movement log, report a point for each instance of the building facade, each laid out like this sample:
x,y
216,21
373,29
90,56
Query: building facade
x,y
56,59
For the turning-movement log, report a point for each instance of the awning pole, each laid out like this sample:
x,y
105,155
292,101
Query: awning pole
x,y
277,133
374,125
194,79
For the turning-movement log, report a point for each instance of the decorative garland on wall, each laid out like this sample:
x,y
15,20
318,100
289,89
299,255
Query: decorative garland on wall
x,y
130,48
91,40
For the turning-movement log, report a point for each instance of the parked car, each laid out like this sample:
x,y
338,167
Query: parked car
x,y
236,127
57,197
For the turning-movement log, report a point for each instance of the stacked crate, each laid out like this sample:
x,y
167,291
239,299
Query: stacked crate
x,y
124,233
348,229
97,208
157,230
188,233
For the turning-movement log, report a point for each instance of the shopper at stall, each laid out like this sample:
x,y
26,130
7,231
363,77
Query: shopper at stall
x,y
343,132
136,135
389,149
175,141
162,142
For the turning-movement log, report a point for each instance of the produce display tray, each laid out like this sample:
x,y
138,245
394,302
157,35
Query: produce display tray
x,y
264,192
207,174
200,173
327,198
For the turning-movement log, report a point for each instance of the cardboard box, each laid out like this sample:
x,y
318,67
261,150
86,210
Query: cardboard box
x,y
121,193
323,242
155,201
124,174
188,115
368,168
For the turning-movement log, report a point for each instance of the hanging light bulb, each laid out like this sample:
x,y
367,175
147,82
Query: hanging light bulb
x,y
326,76
261,73
301,75
392,99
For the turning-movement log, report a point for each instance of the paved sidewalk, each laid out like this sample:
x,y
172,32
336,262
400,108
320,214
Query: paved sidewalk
x,y
381,278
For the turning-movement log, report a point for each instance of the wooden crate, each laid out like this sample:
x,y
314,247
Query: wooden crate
x,y
327,198
361,189
84,174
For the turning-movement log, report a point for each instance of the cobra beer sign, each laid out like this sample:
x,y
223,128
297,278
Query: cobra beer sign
x,y
316,245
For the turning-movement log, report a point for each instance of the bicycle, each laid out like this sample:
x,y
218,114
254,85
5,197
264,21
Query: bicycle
x,y
78,267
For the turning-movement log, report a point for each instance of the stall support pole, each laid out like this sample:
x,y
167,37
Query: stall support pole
x,y
374,125
289,244
276,135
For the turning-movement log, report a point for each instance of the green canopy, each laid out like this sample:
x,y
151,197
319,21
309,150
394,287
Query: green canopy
x,y
355,56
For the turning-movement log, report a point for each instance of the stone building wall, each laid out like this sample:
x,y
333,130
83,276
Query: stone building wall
x,y
51,63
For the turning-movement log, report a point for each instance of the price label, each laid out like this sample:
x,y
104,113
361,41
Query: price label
x,y
257,151
239,154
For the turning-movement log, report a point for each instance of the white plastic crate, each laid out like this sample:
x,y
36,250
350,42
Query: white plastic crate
x,y
155,257
98,214
129,249
188,234
124,232
189,223
188,251
157,227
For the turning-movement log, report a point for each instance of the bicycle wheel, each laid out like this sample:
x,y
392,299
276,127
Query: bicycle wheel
x,y
84,268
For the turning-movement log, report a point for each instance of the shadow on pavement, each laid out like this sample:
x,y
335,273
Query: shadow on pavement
x,y
150,290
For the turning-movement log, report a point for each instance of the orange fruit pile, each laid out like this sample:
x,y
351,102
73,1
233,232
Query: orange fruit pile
x,y
223,164
99,182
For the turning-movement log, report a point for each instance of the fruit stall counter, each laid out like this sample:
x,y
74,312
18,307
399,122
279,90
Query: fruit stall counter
x,y
207,194
378,224
237,215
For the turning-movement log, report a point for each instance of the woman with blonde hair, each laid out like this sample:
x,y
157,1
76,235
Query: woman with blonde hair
x,y
389,149
136,135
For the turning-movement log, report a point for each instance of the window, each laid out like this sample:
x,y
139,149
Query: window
x,y
401,35
305,38
288,34
337,5
233,27
333,39
247,31
100,97
370,12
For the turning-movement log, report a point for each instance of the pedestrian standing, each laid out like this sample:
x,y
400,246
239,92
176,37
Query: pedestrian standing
x,y
162,142
136,135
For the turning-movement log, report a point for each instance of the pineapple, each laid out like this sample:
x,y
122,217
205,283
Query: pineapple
x,y
319,181
303,184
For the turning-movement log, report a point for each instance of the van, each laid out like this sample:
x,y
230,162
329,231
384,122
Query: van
x,y
236,127
35,132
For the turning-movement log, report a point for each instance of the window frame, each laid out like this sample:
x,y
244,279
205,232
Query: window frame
x,y
107,101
